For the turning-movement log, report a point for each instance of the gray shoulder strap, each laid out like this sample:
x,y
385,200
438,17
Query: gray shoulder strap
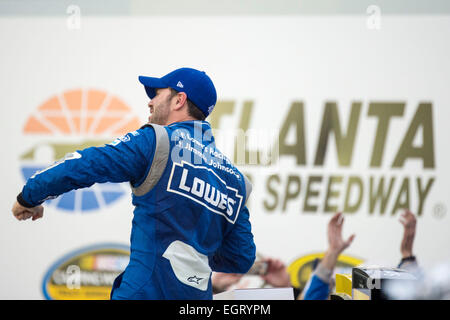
x,y
159,162
248,187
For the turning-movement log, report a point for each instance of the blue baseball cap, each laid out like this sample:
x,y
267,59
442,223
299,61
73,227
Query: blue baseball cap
x,y
196,84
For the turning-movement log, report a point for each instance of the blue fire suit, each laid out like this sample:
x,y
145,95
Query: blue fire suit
x,y
190,216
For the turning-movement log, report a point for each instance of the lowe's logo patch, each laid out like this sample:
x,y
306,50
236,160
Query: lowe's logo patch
x,y
202,185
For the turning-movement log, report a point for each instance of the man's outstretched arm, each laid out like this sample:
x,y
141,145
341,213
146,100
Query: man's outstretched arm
x,y
125,159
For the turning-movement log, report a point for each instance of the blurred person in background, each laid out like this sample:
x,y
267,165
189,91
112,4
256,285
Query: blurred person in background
x,y
431,284
408,262
275,273
320,282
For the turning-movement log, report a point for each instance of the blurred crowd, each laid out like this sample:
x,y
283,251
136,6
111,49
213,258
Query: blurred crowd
x,y
435,285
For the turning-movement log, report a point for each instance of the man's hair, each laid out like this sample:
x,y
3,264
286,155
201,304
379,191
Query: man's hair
x,y
193,110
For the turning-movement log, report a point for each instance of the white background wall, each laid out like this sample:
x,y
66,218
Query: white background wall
x,y
272,60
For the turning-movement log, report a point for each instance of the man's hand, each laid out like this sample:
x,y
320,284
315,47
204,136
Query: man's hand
x,y
223,281
335,241
408,220
277,274
23,213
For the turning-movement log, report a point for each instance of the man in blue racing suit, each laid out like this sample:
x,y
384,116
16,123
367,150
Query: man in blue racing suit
x,y
190,215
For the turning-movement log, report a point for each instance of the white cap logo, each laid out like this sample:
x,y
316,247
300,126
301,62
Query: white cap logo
x,y
180,85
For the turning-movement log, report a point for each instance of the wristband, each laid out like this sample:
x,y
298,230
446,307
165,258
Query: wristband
x,y
323,273
22,202
410,258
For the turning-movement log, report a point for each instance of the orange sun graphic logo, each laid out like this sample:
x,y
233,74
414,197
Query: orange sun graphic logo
x,y
75,120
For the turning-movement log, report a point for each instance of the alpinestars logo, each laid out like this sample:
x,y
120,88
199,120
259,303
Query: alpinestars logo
x,y
194,279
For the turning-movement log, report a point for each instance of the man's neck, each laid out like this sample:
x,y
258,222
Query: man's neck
x,y
180,119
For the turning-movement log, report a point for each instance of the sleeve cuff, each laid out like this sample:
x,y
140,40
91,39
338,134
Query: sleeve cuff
x,y
323,273
407,262
22,202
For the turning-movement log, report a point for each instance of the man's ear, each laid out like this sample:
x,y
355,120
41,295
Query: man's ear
x,y
181,100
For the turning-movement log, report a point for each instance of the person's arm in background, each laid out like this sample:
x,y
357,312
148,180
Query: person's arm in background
x,y
125,159
276,274
318,286
408,262
238,251
223,281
